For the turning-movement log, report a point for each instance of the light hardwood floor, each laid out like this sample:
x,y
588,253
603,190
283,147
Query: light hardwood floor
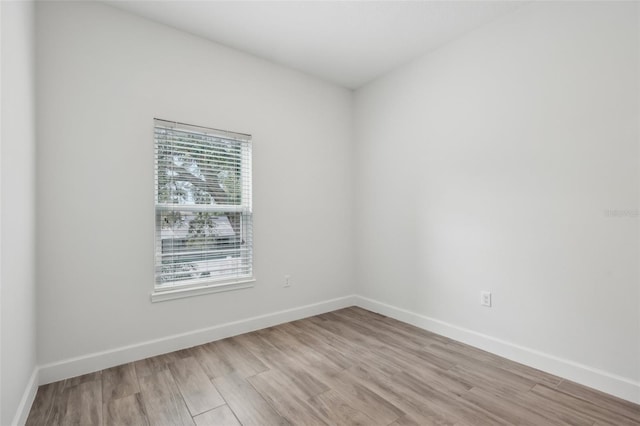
x,y
348,367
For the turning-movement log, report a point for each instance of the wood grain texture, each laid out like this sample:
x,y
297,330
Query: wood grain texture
x,y
278,390
390,388
163,402
362,398
58,412
304,380
507,409
91,377
118,382
548,408
228,356
347,367
155,364
318,345
44,402
197,390
247,404
125,411
333,407
448,406
609,402
82,405
221,416
408,420
599,413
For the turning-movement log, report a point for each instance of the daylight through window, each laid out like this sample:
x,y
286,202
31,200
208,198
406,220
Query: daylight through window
x,y
203,206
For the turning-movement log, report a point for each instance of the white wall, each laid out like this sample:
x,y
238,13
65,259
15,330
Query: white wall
x,y
103,75
489,165
17,258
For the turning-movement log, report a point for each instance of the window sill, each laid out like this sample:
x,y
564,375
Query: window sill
x,y
180,293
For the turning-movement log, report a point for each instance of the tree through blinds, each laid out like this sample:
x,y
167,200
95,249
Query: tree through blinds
x,y
203,205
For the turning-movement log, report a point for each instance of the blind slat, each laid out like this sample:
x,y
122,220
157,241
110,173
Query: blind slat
x,y
196,239
215,208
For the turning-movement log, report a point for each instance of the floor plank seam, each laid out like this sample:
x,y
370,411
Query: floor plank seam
x,y
343,367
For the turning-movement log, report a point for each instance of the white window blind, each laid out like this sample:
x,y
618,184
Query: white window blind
x,y
203,206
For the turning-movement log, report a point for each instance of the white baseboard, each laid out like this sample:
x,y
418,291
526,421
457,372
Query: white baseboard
x,y
579,373
583,374
100,360
26,401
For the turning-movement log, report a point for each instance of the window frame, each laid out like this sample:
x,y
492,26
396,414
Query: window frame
x,y
205,285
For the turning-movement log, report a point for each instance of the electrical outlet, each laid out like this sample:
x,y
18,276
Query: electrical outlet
x,y
485,298
287,281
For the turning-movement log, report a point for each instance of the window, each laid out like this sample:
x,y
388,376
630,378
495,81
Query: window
x,y
203,210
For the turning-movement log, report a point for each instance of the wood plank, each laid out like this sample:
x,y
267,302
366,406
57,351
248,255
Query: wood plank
x,y
362,398
345,346
221,416
507,409
279,391
385,344
91,377
212,363
250,408
308,326
262,350
548,408
595,412
43,403
162,399
418,408
451,407
303,379
554,412
381,330
409,420
309,360
382,365
470,356
439,379
58,409
197,390
414,357
339,359
488,377
125,411
245,363
228,356
399,325
79,405
331,406
154,364
118,382
601,399
445,354
346,367
338,329
379,336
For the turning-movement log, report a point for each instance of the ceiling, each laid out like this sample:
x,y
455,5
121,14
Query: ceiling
x,y
349,43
